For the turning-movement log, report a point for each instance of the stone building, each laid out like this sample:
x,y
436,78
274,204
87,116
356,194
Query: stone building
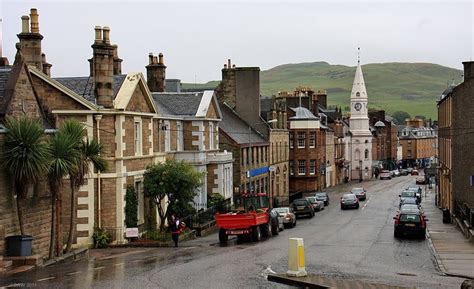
x,y
385,139
251,152
455,171
240,90
419,143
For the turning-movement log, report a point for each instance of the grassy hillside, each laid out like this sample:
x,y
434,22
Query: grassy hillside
x,y
411,87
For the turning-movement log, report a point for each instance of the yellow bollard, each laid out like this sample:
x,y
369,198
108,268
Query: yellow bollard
x,y
296,267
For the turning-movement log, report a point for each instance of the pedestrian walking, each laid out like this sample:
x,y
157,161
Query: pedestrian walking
x,y
175,226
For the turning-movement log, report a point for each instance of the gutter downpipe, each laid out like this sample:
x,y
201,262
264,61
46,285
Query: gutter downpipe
x,y
97,118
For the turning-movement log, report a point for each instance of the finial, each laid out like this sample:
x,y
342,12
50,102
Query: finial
x,y
358,55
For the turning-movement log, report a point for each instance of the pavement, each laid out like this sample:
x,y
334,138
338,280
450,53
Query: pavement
x,y
453,252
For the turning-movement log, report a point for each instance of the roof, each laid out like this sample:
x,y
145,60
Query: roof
x,y
448,91
379,124
302,113
236,128
84,86
4,75
173,104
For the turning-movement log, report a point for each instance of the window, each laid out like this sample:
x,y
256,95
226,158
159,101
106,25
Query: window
x,y
138,137
312,139
292,164
211,136
291,140
312,167
301,139
301,167
366,154
179,136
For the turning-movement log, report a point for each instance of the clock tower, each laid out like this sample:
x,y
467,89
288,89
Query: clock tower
x,y
361,137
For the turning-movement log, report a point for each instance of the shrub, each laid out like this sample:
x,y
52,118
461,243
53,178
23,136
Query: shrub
x,y
101,238
131,207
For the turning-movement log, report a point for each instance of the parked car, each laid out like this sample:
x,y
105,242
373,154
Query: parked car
x,y
277,219
406,207
395,173
303,207
407,194
420,181
360,193
414,173
409,170
417,191
287,216
322,196
349,200
385,175
408,201
410,222
317,205
404,172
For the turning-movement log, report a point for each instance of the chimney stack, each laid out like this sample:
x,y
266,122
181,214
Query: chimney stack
x,y
468,70
30,39
156,73
46,65
117,61
102,67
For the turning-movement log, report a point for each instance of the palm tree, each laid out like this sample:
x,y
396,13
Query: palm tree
x,y
25,157
64,155
88,152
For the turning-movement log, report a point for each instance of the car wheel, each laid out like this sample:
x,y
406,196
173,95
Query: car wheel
x,y
266,229
357,206
256,234
342,207
294,224
223,237
395,234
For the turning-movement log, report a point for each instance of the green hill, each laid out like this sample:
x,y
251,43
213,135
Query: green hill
x,y
410,87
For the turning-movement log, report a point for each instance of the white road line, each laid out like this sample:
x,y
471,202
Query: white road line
x,y
98,268
45,279
366,203
73,273
119,264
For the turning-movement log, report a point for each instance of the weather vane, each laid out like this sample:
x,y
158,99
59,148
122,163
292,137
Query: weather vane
x,y
358,55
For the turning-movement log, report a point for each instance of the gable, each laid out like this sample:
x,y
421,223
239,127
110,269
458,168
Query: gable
x,y
212,112
20,98
53,98
134,95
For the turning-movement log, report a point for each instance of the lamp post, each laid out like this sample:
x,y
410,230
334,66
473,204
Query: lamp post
x,y
250,147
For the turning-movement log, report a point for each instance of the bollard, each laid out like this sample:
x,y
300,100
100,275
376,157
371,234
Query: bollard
x,y
296,267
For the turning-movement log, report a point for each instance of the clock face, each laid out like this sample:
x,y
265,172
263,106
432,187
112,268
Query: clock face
x,y
357,106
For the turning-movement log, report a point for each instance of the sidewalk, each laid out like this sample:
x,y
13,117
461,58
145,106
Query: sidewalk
x,y
453,252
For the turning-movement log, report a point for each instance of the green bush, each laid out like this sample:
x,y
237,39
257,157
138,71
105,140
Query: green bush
x,y
131,207
101,238
157,235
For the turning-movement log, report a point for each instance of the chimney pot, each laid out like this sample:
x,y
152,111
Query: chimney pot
x,y
155,59
34,20
225,65
25,24
160,56
228,63
106,35
98,34
150,58
43,57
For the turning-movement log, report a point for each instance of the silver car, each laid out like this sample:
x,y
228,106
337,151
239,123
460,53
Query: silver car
x,y
286,216
317,205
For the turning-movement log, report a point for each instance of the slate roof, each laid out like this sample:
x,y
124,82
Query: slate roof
x,y
302,113
236,128
4,75
265,104
173,104
84,86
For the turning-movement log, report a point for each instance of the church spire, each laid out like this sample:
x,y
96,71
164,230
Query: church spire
x,y
358,87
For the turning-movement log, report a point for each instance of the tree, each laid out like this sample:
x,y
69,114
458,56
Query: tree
x,y
24,156
171,185
420,117
400,116
131,207
87,152
64,155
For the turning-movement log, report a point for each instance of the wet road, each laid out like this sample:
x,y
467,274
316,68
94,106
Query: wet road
x,y
349,244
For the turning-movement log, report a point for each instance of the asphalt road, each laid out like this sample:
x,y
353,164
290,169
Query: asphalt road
x,y
349,244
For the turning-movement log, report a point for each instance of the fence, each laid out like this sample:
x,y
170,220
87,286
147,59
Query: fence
x,y
205,217
464,212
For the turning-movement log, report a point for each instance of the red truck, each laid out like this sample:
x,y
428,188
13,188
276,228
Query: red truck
x,y
254,219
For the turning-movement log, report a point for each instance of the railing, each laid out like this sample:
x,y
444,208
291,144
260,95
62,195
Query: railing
x,y
464,212
204,219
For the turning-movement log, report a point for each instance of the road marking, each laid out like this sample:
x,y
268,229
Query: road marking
x,y
119,264
98,268
366,203
73,273
45,279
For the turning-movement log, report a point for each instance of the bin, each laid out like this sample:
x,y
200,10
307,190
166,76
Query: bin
x,y
446,216
19,245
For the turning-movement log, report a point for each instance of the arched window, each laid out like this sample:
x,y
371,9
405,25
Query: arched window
x,y
366,154
357,155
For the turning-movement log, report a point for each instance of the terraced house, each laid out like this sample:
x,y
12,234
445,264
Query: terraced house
x,y
137,129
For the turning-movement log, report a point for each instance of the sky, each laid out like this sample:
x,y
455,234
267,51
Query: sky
x,y
197,37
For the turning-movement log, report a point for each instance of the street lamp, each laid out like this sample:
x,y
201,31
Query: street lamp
x,y
250,146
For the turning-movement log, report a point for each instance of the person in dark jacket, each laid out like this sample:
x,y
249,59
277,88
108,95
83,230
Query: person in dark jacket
x,y
175,227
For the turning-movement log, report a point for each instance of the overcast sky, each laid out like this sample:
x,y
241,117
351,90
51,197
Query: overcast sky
x,y
197,37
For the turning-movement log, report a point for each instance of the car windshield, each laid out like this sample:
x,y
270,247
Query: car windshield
x,y
357,190
408,194
311,199
300,202
320,195
282,210
410,218
348,196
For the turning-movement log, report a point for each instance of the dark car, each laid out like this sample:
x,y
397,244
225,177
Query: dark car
x,y
360,193
322,196
410,222
349,201
303,207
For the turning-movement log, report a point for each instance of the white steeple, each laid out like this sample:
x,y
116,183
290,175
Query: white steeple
x,y
359,84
